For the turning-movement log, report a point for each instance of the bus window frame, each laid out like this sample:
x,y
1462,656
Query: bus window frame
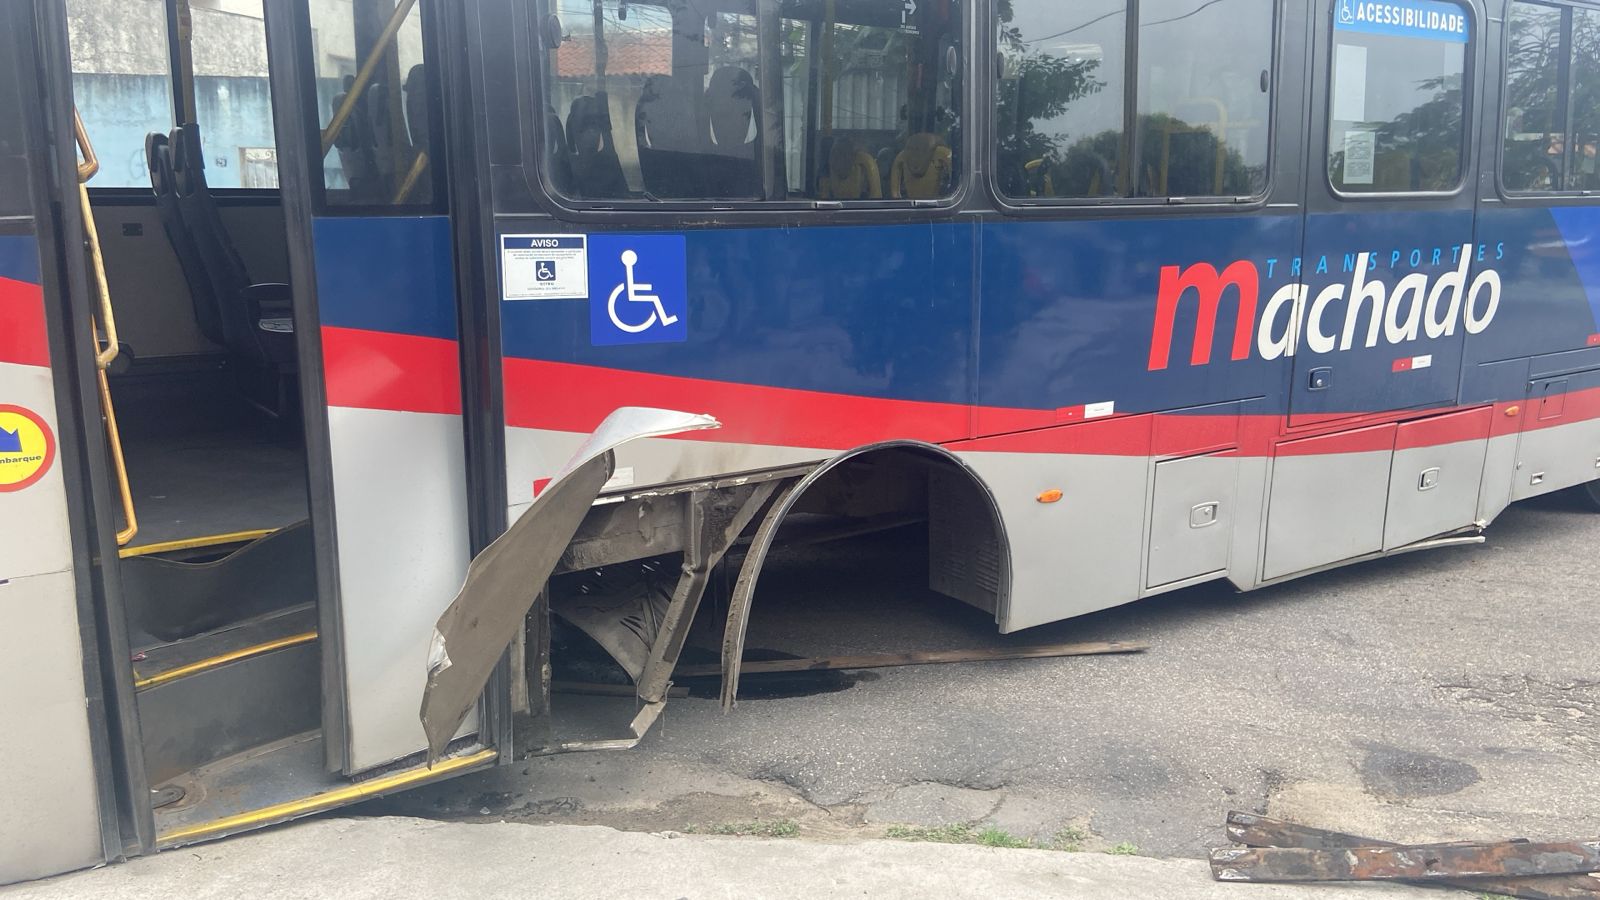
x,y
796,209
1531,198
1170,204
1469,158
311,118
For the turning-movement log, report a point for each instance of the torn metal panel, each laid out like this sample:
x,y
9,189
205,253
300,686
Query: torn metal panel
x,y
504,579
715,523
1436,862
641,723
744,589
1260,831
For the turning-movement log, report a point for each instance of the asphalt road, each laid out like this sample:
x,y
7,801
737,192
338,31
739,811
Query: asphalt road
x,y
1452,694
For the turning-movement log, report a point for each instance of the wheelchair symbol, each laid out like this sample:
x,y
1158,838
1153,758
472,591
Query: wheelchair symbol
x,y
544,271
637,293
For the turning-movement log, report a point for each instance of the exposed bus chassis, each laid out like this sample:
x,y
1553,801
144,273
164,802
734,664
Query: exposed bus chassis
x,y
639,623
567,530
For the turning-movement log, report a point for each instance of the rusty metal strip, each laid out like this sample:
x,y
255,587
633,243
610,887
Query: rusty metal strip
x,y
1432,863
917,658
1261,831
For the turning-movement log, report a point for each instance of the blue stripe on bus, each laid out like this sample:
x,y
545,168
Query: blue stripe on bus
x,y
391,273
1068,307
19,258
1580,232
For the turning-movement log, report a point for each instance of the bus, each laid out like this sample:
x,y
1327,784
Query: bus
x,y
365,362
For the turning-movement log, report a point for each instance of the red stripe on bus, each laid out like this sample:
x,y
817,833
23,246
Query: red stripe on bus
x,y
1456,428
382,370
574,398
1575,406
24,339
1377,438
569,397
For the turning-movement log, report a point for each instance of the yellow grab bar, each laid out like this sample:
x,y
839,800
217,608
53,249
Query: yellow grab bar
x,y
114,438
107,321
418,165
86,170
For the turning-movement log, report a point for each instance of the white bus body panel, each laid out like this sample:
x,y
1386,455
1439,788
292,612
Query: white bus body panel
x,y
51,820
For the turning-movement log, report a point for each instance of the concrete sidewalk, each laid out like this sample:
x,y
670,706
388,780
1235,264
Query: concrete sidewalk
x,y
395,858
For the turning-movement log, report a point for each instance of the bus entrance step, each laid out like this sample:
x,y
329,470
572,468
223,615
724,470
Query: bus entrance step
x,y
171,599
227,691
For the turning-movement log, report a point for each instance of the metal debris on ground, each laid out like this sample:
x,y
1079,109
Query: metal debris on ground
x,y
1284,851
929,657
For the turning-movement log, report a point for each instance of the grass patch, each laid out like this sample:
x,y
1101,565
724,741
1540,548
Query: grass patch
x,y
1123,849
1069,839
937,834
988,836
777,828
995,837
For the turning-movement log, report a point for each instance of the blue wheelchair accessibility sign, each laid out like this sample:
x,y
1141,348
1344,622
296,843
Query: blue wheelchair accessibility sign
x,y
638,289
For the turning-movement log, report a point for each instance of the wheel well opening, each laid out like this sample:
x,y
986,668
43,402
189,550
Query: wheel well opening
x,y
869,538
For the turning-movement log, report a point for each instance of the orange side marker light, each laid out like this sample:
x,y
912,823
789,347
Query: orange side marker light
x,y
1049,496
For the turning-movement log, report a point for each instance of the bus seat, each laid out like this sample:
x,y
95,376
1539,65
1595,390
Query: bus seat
x,y
922,170
596,170
667,134
732,105
158,155
416,106
852,174
257,321
556,150
354,142
381,130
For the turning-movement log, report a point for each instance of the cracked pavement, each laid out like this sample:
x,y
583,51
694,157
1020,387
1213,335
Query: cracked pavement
x,y
1446,695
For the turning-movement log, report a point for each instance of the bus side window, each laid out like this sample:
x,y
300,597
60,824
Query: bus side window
x,y
1583,169
885,88
1535,132
1201,121
1396,103
670,101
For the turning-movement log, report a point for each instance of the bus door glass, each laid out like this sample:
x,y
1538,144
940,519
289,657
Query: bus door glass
x,y
1390,288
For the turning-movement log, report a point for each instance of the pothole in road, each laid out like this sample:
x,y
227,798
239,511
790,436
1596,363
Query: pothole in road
x,y
1399,774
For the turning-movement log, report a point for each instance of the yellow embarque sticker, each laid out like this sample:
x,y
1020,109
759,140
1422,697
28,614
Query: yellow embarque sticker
x,y
27,448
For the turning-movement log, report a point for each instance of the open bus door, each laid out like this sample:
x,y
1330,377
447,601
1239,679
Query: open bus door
x,y
243,671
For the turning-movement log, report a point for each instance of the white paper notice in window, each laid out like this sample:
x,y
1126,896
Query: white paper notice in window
x,y
1350,83
1359,149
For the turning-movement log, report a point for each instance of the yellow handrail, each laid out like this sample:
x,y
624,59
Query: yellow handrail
x,y
107,322
418,165
86,170
364,75
114,438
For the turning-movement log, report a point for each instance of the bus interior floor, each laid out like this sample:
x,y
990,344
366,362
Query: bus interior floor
x,y
194,483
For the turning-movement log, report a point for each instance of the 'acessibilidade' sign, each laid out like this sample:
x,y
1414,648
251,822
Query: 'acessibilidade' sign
x,y
1426,19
